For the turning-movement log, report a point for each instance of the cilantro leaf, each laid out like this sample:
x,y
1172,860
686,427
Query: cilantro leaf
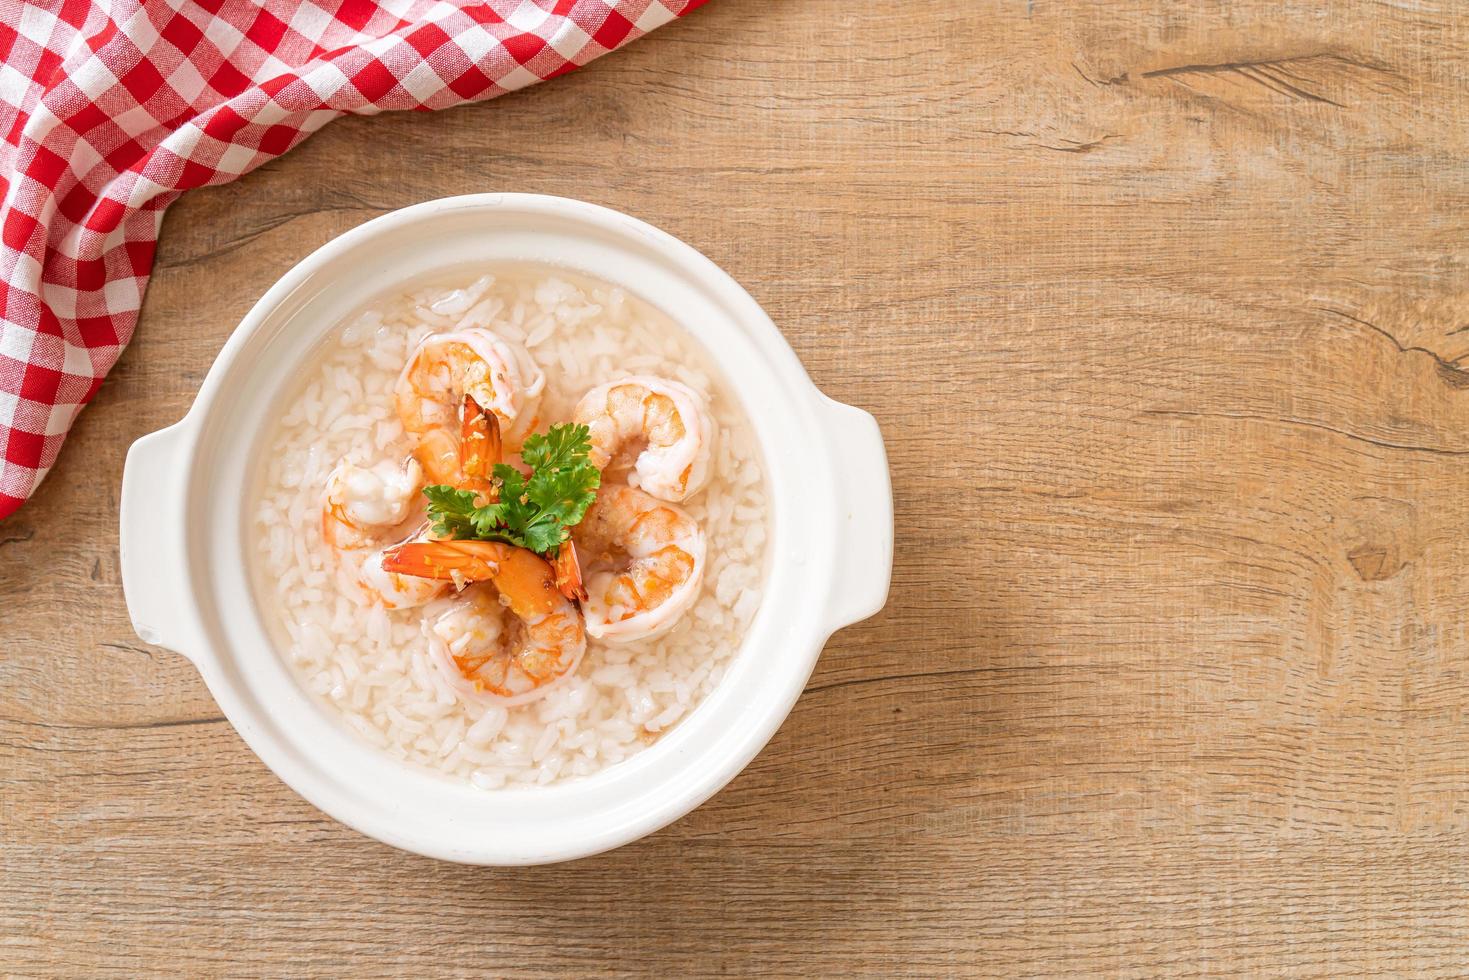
x,y
487,519
543,535
452,511
563,446
565,493
515,508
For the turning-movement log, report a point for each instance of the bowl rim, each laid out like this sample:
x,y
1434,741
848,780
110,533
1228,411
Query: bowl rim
x,y
810,415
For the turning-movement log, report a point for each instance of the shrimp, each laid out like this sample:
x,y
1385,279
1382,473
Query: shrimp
x,y
511,662
664,426
446,369
643,560
363,505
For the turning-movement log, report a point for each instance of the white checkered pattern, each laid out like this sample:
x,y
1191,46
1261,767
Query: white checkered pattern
x,y
110,110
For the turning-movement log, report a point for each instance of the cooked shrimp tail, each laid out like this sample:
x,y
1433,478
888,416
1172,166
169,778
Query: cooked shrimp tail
x,y
454,561
466,457
568,572
479,448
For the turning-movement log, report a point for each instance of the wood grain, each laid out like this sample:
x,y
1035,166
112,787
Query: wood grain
x,y
1162,307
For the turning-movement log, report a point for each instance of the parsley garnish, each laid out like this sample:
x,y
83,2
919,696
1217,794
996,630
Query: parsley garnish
x,y
534,512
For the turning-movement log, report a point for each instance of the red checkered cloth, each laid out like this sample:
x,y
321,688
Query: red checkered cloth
x,y
112,108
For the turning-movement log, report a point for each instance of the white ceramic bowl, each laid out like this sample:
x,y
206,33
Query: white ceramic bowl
x,y
186,538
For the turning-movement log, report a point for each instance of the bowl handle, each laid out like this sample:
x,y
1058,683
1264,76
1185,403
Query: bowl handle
x,y
864,514
152,547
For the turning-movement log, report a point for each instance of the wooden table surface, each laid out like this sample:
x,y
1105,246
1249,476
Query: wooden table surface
x,y
1164,310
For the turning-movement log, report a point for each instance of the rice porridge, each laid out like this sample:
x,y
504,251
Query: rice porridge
x,y
527,622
